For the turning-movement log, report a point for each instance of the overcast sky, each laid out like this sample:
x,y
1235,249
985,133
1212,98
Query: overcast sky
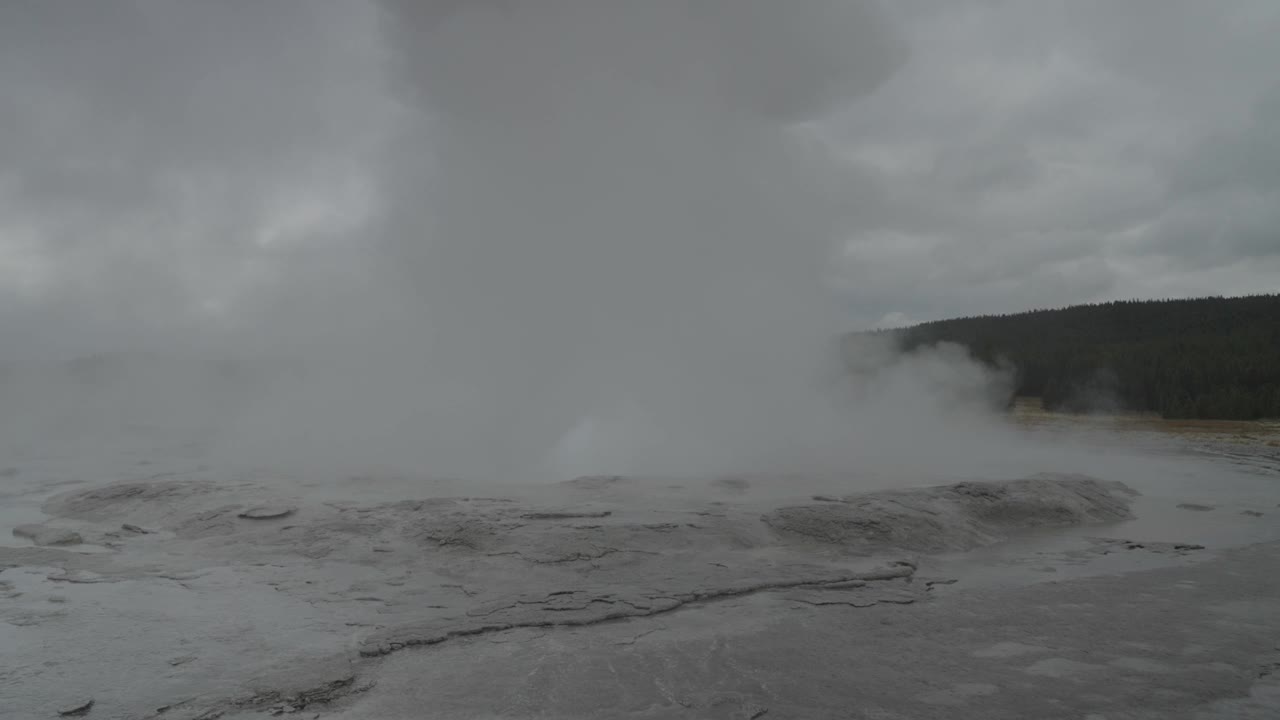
x,y
169,163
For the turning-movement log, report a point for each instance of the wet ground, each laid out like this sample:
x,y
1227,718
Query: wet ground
x,y
200,592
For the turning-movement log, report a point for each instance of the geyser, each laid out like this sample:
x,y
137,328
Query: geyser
x,y
617,231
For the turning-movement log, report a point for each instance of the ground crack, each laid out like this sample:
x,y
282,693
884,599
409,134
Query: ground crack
x,y
588,609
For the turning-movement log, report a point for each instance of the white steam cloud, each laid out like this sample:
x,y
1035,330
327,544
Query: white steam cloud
x,y
593,242
616,233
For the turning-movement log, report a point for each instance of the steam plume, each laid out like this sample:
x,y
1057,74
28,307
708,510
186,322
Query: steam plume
x,y
615,231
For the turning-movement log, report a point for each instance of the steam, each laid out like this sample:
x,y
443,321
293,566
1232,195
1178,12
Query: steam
x,y
616,231
597,247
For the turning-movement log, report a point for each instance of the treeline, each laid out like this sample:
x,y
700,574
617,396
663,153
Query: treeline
x,y
1198,358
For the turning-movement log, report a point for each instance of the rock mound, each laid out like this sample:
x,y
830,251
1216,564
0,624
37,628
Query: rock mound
x,y
953,517
267,512
595,482
125,499
45,535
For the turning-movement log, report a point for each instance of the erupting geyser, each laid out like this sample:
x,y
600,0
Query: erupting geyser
x,y
616,232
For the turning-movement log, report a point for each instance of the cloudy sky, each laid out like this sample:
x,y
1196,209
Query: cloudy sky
x,y
1032,154
171,163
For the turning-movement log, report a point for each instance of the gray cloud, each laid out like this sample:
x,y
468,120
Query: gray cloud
x,y
1077,151
154,155
160,141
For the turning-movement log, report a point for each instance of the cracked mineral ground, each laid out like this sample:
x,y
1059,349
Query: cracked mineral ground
x,y
239,594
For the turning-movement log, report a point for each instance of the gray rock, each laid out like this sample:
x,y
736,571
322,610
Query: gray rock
x,y
268,512
732,484
121,499
567,515
595,482
44,535
952,517
78,710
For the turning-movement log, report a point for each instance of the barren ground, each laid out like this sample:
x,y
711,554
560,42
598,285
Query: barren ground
x,y
158,587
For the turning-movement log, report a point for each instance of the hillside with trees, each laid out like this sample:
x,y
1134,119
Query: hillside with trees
x,y
1197,358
